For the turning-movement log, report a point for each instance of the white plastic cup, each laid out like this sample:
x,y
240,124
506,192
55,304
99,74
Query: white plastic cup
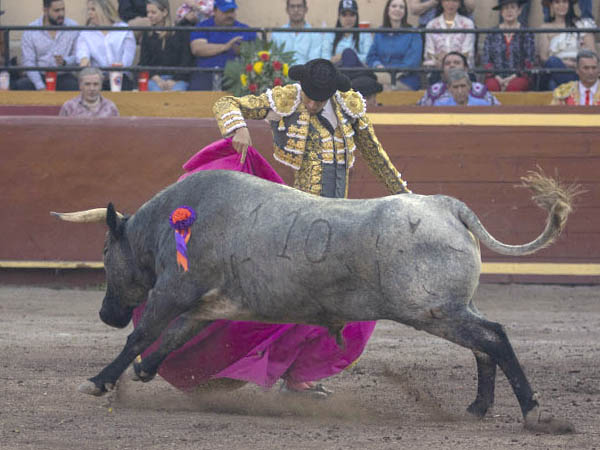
x,y
116,81
4,80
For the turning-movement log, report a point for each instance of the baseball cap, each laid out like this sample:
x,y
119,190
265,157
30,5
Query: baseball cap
x,y
225,5
348,5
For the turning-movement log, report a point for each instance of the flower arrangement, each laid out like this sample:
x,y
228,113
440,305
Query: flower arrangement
x,y
261,66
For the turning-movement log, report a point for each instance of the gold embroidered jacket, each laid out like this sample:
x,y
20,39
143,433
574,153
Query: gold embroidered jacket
x,y
568,94
303,143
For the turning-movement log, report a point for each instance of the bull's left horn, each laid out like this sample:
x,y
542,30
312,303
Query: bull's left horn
x,y
88,216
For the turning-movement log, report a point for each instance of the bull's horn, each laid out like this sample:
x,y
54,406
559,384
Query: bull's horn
x,y
88,216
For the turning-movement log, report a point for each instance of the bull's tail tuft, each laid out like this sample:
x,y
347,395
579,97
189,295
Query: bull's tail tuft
x,y
549,194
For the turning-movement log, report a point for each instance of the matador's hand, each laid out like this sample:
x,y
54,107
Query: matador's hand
x,y
241,140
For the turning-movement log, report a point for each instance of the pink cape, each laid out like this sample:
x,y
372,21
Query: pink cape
x,y
250,351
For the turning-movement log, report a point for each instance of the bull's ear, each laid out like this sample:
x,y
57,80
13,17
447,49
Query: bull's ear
x,y
113,221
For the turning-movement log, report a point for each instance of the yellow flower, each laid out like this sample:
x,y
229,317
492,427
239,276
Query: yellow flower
x,y
258,67
285,70
244,79
264,55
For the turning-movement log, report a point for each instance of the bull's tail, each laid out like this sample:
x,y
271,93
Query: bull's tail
x,y
548,194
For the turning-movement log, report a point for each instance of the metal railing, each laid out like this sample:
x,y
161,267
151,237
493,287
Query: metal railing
x,y
264,31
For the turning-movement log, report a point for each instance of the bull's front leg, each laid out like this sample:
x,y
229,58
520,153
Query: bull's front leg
x,y
178,333
164,304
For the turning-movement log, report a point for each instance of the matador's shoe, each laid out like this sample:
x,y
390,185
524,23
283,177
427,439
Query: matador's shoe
x,y
305,389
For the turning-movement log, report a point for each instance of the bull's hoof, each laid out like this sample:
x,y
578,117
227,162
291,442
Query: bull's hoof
x,y
88,387
138,374
548,425
130,372
478,408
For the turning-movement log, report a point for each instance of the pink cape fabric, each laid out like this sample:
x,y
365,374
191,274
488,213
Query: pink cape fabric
x,y
250,351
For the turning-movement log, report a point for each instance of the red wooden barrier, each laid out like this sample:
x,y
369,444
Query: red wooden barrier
x,y
64,164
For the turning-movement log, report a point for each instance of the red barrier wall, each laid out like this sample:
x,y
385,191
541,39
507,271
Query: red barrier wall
x,y
65,164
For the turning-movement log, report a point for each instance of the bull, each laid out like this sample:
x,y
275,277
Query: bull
x,y
265,252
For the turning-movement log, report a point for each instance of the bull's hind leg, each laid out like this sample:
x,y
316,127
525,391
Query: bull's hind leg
x,y
483,337
486,383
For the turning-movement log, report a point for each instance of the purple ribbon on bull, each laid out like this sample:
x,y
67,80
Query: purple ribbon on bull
x,y
181,220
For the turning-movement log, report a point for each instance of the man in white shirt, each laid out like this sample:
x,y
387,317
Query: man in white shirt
x,y
306,46
583,92
50,48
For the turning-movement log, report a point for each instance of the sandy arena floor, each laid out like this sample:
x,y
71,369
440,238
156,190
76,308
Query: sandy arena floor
x,y
409,390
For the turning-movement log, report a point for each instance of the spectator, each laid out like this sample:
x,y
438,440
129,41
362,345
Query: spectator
x,y
426,9
347,49
585,6
306,46
5,81
50,48
559,50
107,47
89,103
451,14
459,86
439,90
134,13
509,52
368,87
191,12
165,48
396,50
2,58
213,49
585,91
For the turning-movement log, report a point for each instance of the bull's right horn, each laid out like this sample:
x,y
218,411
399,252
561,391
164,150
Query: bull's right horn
x,y
88,216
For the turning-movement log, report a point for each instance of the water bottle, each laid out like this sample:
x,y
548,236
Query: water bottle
x,y
216,79
4,80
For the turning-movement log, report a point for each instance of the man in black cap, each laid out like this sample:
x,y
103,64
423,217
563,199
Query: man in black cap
x,y
317,125
368,87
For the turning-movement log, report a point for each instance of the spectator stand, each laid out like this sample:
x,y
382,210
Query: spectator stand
x,y
263,33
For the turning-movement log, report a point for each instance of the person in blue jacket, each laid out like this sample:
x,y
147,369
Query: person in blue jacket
x,y
459,85
396,50
347,49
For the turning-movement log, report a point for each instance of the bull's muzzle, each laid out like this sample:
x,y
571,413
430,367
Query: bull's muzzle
x,y
113,315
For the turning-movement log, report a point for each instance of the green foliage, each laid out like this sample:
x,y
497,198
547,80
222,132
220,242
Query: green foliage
x,y
260,66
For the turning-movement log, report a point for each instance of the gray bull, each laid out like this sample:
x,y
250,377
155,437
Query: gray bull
x,y
264,252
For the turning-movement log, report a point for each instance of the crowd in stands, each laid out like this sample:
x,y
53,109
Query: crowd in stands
x,y
509,56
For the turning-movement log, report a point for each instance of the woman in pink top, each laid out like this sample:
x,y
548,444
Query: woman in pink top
x,y
451,15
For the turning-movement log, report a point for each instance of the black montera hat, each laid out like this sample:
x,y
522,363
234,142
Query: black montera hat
x,y
366,85
319,79
504,2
